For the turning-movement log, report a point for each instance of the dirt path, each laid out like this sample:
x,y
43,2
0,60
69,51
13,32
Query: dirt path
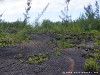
x,y
71,65
73,55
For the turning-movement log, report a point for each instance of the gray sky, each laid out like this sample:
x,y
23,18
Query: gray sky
x,y
14,9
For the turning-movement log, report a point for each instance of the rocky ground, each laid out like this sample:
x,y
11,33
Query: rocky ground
x,y
71,59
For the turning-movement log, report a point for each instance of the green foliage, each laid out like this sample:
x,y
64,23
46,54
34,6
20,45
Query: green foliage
x,y
47,25
74,29
97,51
1,45
37,59
13,33
83,41
45,59
95,32
24,34
65,45
58,53
97,43
91,65
97,56
20,60
90,20
37,62
83,47
20,55
68,45
6,39
57,27
30,60
21,35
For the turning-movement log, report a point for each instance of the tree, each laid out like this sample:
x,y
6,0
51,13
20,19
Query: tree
x,y
47,24
97,10
89,14
65,14
97,17
65,21
92,17
1,14
37,18
27,11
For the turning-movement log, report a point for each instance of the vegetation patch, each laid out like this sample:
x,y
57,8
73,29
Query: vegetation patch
x,y
58,53
91,65
38,59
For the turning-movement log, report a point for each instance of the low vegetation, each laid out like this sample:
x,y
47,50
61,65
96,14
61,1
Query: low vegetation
x,y
91,65
67,34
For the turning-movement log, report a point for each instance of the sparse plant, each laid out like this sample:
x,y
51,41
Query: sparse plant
x,y
97,51
95,32
27,11
20,55
83,41
37,59
97,43
20,60
41,59
39,16
97,56
30,60
83,47
65,45
37,62
45,59
58,53
1,45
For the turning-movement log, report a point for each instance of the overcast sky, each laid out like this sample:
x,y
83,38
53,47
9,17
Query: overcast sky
x,y
14,9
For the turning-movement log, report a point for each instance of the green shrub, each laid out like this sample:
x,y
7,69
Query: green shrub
x,y
58,53
45,59
37,62
83,47
98,51
97,43
30,60
20,60
91,65
6,39
95,32
20,36
37,59
1,45
65,45
20,55
74,29
97,56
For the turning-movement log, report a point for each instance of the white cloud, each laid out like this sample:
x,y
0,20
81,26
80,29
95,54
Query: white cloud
x,y
16,7
13,7
79,4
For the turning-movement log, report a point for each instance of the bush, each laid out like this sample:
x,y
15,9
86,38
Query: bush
x,y
23,34
58,53
91,65
74,29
